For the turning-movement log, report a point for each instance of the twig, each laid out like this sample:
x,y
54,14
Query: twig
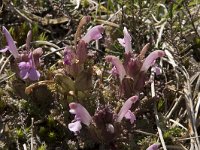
x,y
105,22
158,127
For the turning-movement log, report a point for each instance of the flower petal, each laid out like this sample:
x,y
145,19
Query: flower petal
x,y
118,64
149,61
24,68
11,43
127,40
127,105
4,49
113,71
154,146
69,56
34,74
110,128
72,111
75,126
81,113
24,74
157,70
94,33
121,41
129,115
37,53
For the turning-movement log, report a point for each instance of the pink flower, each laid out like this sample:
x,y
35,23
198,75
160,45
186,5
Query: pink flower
x,y
81,115
81,52
154,146
94,33
118,65
28,69
150,60
125,110
126,41
132,71
69,56
11,44
75,126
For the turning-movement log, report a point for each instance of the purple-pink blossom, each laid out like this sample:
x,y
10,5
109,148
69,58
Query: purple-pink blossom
x,y
150,60
125,110
154,146
27,61
94,33
118,65
11,44
126,41
80,54
132,71
28,69
69,56
81,115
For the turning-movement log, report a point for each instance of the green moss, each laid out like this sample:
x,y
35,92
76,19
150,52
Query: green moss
x,y
19,133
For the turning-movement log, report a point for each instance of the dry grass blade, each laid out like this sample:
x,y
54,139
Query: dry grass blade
x,y
168,115
178,124
4,64
190,110
197,107
156,114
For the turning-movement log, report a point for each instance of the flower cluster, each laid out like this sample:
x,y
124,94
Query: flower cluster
x,y
104,124
132,72
27,61
74,59
104,120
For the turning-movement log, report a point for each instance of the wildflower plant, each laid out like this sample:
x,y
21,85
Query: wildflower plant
x,y
133,70
104,125
118,80
76,78
27,61
77,71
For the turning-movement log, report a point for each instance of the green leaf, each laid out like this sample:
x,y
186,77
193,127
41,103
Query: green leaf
x,y
65,83
84,80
